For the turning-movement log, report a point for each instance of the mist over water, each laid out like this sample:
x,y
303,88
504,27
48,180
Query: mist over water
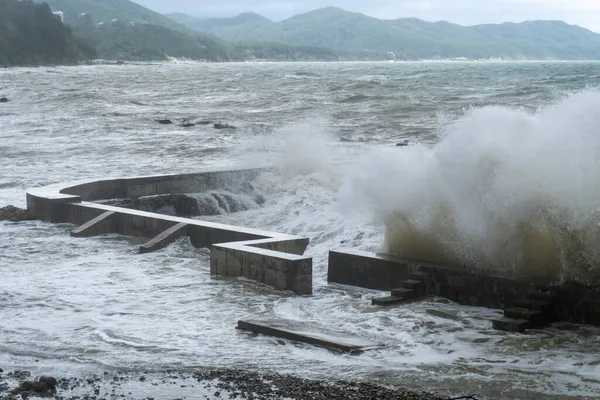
x,y
501,174
504,189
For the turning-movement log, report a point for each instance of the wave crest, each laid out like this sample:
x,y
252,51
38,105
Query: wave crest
x,y
503,189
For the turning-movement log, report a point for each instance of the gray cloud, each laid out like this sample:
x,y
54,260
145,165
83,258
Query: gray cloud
x,y
465,12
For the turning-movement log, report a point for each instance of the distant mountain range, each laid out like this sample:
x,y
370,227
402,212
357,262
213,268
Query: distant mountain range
x,y
408,38
122,29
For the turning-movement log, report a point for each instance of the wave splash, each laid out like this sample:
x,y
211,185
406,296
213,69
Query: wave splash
x,y
505,190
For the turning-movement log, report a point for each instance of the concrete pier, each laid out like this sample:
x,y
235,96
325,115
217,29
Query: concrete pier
x,y
268,257
527,301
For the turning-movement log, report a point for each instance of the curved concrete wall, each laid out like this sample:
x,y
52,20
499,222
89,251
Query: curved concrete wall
x,y
271,258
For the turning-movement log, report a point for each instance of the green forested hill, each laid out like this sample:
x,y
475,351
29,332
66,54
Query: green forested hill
x,y
143,41
236,27
411,38
31,34
107,10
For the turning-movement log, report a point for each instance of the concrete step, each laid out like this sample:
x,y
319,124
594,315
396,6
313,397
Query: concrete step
x,y
419,276
387,300
417,287
404,293
535,317
541,296
536,305
510,325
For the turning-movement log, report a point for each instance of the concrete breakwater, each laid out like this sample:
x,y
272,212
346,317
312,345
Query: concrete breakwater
x,y
271,258
117,206
527,301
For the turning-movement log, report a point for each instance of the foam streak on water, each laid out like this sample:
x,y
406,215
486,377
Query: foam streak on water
x,y
495,144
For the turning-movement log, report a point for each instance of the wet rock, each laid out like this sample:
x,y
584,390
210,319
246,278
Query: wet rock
x,y
351,139
50,381
177,204
260,199
15,214
46,387
3,100
19,374
223,126
164,121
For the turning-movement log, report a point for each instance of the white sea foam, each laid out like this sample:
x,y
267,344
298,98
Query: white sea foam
x,y
503,189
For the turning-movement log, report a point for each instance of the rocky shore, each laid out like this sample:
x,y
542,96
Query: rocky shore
x,y
14,214
194,384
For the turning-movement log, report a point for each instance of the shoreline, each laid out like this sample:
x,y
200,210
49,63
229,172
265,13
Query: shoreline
x,y
198,383
194,62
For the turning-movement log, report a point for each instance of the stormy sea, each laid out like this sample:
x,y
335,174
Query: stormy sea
x,y
501,170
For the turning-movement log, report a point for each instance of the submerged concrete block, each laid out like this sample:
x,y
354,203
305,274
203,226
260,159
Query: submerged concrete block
x,y
404,293
511,325
417,287
317,337
279,270
165,238
387,300
101,225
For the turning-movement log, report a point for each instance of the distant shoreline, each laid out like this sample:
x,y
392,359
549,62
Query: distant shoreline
x,y
194,62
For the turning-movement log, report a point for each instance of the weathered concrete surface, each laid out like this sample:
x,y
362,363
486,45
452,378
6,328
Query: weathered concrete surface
x,y
280,270
367,270
299,333
123,188
570,302
271,258
384,272
165,238
102,224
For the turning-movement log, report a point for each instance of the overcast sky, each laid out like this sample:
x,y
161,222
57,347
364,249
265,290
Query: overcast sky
x,y
466,12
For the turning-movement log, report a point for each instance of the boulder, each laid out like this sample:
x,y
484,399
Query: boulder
x,y
3,100
15,214
49,381
45,386
164,121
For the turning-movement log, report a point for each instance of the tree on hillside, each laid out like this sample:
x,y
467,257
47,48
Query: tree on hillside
x,y
31,34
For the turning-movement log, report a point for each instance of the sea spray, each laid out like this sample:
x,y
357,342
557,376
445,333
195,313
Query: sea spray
x,y
503,189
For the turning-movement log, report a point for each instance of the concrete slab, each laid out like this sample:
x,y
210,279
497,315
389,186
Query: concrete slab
x,y
387,301
165,238
297,332
101,225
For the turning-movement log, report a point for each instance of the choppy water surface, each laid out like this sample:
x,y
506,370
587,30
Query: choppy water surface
x,y
81,305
